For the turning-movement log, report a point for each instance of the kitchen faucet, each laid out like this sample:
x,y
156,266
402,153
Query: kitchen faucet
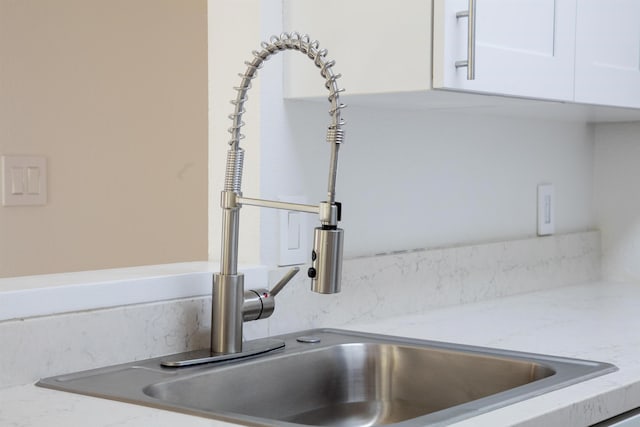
x,y
231,304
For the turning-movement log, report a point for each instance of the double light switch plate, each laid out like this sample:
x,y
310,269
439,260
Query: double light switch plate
x,y
24,180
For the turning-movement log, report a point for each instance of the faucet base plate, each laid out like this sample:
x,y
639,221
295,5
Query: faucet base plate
x,y
199,357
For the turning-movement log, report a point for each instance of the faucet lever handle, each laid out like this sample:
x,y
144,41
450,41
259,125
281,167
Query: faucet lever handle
x,y
285,279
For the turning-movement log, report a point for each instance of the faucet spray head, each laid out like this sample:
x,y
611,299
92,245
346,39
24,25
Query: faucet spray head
x,y
326,260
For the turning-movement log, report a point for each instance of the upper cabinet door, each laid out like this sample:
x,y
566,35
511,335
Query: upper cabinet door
x,y
608,52
522,47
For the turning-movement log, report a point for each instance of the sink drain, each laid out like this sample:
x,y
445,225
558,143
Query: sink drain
x,y
308,339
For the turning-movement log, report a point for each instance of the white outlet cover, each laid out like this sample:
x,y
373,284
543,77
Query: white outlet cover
x,y
546,210
294,234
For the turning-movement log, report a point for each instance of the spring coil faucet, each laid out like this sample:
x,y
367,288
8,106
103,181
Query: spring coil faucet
x,y
231,305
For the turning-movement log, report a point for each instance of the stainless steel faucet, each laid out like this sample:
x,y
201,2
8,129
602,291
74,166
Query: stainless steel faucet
x,y
231,304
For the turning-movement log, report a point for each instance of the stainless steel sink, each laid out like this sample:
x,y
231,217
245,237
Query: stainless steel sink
x,y
339,378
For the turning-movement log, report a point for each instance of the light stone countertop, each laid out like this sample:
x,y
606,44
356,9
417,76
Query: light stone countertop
x,y
598,321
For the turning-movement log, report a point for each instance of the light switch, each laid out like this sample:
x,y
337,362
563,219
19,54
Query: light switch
x,y
33,180
17,181
24,180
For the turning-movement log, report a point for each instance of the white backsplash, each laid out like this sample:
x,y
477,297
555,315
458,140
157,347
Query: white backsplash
x,y
395,284
373,288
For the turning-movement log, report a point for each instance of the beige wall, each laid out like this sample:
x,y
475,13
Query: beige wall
x,y
114,94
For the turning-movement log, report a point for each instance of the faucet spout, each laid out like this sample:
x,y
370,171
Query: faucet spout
x,y
326,257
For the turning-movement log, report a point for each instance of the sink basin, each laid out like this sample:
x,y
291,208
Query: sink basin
x,y
340,378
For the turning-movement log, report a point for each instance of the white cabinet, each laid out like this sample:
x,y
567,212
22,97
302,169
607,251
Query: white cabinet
x,y
397,53
523,47
607,68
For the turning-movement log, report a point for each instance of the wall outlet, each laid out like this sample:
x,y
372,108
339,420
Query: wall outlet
x,y
546,210
294,235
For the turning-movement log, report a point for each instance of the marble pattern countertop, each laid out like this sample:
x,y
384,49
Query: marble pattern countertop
x,y
596,321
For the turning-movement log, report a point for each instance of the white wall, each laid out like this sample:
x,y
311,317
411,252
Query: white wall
x,y
417,179
408,179
617,198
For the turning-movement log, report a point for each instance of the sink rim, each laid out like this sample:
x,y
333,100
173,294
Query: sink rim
x,y
565,370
